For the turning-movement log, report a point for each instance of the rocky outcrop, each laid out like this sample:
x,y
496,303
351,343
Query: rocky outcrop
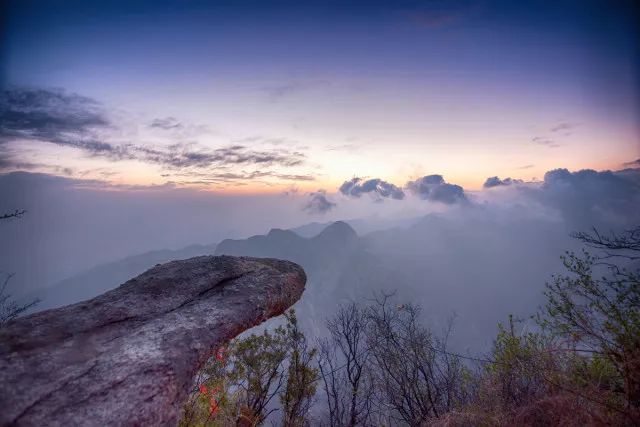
x,y
128,357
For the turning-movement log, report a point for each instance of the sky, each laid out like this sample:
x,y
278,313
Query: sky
x,y
133,126
254,97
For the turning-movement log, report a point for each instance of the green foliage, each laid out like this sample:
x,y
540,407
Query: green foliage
x,y
238,384
519,363
603,313
300,388
595,308
212,403
257,368
583,365
595,370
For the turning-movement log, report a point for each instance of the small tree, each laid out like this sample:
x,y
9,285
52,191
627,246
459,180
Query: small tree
x,y
10,308
596,307
345,368
211,403
300,387
516,375
258,370
417,378
582,367
239,384
15,214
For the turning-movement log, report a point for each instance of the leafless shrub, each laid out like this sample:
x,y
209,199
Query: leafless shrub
x,y
345,368
417,378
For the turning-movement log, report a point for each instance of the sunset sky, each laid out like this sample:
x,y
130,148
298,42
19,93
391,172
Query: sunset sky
x,y
254,96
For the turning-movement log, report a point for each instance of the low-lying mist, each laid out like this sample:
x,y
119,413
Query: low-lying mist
x,y
478,260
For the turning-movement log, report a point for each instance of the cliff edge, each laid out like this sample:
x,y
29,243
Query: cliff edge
x,y
129,356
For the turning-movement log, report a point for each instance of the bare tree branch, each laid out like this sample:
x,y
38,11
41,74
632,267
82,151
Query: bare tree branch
x,y
15,214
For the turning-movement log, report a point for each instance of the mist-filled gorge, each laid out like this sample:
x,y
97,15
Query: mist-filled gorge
x,y
332,213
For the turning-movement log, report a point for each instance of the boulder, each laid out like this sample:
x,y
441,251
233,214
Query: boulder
x,y
129,356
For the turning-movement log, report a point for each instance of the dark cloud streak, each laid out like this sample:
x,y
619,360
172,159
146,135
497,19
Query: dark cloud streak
x,y
376,187
65,119
548,142
166,123
435,189
221,177
180,156
494,181
590,198
52,116
562,129
319,203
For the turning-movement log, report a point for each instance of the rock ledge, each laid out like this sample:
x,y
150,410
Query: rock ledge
x,y
128,357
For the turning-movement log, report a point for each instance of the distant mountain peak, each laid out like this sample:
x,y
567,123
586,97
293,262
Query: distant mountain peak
x,y
280,233
338,230
276,231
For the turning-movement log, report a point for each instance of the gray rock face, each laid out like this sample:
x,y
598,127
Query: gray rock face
x,y
128,357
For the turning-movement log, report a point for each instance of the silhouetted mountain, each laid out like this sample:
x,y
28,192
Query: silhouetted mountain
x,y
330,245
277,243
311,229
105,277
337,265
338,233
361,226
